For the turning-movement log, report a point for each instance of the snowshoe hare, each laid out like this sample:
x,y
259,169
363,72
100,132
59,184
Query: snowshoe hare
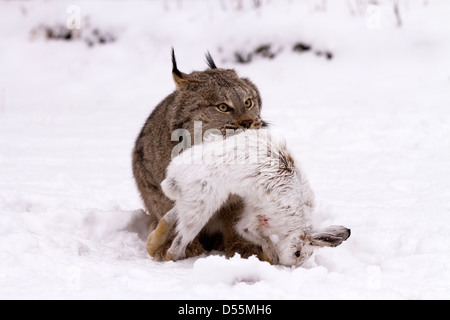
x,y
278,199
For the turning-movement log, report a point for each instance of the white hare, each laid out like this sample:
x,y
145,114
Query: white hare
x,y
259,168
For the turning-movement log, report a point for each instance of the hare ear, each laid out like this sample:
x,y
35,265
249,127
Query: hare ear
x,y
332,236
180,78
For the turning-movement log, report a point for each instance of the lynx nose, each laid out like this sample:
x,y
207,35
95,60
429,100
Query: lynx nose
x,y
246,124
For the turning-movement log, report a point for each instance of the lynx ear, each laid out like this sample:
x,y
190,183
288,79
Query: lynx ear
x,y
210,61
179,77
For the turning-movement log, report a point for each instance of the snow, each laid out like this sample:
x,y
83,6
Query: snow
x,y
371,127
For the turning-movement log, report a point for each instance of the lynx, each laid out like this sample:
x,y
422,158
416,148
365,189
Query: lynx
x,y
279,201
219,99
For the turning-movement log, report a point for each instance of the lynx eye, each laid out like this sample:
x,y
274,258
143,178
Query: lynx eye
x,y
248,103
223,107
298,254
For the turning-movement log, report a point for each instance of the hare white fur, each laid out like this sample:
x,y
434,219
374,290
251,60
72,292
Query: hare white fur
x,y
259,168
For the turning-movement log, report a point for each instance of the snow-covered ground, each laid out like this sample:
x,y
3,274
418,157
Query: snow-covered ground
x,y
371,127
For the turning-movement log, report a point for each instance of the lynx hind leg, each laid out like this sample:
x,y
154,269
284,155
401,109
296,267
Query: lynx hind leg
x,y
160,235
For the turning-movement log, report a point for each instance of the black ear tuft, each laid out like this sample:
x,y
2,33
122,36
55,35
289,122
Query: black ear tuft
x,y
174,65
210,61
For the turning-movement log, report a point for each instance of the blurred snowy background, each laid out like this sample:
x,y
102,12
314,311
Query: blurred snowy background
x,y
360,89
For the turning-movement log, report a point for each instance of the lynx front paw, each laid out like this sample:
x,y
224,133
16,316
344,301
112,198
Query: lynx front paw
x,y
194,249
161,253
245,250
157,238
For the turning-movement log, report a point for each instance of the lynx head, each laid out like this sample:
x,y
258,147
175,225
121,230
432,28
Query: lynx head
x,y
219,98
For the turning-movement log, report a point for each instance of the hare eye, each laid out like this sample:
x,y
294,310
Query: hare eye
x,y
223,107
248,103
298,254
